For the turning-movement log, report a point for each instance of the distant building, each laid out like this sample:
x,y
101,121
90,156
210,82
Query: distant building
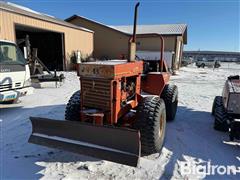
x,y
212,55
112,41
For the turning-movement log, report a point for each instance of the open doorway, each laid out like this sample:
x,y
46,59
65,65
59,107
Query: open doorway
x,y
49,44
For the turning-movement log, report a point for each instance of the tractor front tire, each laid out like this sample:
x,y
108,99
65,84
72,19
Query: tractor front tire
x,y
170,97
221,122
72,112
151,121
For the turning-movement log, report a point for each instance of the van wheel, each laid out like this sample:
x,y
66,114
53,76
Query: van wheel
x,y
151,121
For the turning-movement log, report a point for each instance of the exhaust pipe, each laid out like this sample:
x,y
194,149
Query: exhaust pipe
x,y
135,22
132,43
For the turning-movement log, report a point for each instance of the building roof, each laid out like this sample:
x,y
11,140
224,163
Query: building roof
x,y
18,9
163,29
75,16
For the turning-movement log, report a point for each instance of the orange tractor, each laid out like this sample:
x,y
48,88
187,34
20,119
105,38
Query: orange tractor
x,y
119,112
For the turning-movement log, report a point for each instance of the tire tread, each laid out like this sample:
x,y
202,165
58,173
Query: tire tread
x,y
73,107
148,123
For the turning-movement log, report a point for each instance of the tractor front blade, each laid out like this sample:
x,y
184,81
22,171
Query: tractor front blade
x,y
109,143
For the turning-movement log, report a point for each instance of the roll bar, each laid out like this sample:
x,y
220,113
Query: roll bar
x,y
161,61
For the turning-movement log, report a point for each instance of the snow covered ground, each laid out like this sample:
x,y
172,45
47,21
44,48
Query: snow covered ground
x,y
190,138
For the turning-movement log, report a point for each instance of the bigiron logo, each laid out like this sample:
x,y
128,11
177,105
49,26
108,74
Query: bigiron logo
x,y
204,169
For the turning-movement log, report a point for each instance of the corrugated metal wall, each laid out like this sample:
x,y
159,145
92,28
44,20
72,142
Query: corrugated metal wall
x,y
154,43
75,39
107,43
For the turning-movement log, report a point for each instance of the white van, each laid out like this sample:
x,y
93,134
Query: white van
x,y
207,63
15,78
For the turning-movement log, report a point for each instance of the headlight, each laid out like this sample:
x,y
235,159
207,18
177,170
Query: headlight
x,y
27,82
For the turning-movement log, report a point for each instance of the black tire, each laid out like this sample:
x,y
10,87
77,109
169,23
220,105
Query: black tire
x,y
231,138
221,122
216,102
234,130
217,66
151,121
72,112
170,97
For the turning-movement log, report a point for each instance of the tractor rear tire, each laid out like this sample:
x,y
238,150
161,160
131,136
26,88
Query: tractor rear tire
x,y
72,112
216,102
170,97
151,121
221,122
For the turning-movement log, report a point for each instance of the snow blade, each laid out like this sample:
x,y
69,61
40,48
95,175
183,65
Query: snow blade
x,y
109,143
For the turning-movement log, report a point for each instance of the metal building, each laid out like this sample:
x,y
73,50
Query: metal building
x,y
112,41
55,39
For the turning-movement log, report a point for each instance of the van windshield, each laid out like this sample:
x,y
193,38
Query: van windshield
x,y
11,54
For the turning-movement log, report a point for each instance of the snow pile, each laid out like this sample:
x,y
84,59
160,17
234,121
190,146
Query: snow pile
x,y
190,138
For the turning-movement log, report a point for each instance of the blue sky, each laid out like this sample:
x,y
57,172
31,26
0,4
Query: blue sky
x,y
212,25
